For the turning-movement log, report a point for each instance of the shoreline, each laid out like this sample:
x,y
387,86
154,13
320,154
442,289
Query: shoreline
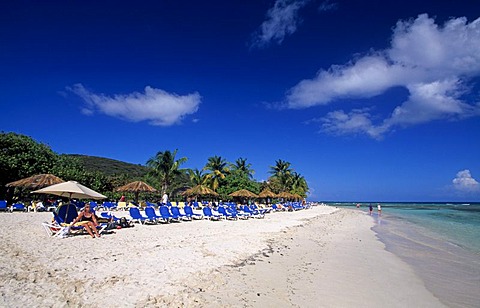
x,y
449,271
309,258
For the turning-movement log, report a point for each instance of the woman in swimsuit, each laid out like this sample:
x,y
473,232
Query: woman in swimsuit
x,y
88,221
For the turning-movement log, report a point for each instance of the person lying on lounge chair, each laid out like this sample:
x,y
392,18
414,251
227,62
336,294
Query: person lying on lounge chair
x,y
87,220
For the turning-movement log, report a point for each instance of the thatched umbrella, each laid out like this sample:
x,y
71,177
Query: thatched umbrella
x,y
199,190
36,181
136,187
297,197
243,193
267,193
285,195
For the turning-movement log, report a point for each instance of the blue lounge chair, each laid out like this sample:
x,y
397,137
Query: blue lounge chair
x,y
176,212
62,217
233,210
227,215
93,205
254,214
109,216
66,213
207,212
136,215
150,204
297,206
18,207
108,206
254,207
189,213
166,215
3,206
152,216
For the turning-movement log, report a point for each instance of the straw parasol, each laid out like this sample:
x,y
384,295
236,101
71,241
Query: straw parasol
x,y
36,181
243,193
297,197
199,190
285,195
136,187
70,189
267,193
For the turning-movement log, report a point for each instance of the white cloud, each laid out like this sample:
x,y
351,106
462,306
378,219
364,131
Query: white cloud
x,y
432,62
355,122
432,101
156,106
464,182
282,20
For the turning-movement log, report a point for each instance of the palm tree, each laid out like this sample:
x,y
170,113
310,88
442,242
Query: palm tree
x,y
242,167
281,168
197,177
218,170
282,172
166,168
298,184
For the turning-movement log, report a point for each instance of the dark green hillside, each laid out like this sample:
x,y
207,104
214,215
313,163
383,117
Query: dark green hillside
x,y
110,166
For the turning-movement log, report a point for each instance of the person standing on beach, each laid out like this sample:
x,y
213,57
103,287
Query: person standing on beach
x,y
370,208
379,209
165,198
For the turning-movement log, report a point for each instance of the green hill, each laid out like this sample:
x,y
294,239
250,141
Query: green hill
x,y
111,166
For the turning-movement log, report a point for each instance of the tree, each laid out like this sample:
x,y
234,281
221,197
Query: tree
x,y
218,170
242,166
21,157
237,180
197,177
166,168
298,184
281,168
69,168
281,172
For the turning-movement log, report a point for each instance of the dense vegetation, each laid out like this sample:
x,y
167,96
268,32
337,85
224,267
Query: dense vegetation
x,y
110,166
21,156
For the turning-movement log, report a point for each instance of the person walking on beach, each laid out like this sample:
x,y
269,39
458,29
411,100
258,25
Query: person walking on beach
x,y
370,208
379,209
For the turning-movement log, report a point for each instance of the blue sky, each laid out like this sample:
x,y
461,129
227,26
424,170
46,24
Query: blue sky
x,y
369,100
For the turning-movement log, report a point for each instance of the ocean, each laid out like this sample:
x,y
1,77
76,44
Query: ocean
x,y
440,241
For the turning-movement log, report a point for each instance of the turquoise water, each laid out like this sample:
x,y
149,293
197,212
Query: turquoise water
x,y
441,242
457,223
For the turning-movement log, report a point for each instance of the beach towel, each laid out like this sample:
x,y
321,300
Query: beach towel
x,y
64,232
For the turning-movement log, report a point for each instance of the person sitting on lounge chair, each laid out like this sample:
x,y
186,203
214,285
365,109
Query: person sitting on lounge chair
x,y
87,220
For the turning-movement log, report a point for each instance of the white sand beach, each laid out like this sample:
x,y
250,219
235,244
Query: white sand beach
x,y
323,257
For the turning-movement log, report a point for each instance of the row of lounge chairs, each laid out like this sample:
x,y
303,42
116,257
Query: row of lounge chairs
x,y
110,206
14,207
151,214
230,211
